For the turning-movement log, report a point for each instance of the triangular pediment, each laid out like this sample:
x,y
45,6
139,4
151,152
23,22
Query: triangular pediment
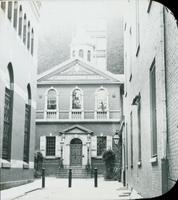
x,y
77,129
75,70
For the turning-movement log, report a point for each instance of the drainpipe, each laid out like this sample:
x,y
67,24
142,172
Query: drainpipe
x,y
164,160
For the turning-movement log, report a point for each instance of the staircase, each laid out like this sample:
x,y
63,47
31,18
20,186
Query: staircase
x,y
77,172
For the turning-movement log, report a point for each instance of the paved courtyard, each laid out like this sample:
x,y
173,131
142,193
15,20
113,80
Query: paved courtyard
x,y
57,189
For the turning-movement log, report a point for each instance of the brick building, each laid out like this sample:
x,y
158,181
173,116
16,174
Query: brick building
x,y
79,109
18,66
150,105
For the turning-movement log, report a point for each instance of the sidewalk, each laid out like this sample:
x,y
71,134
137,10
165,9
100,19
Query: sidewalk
x,y
57,189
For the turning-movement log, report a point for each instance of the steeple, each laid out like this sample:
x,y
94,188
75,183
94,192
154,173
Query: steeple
x,y
82,47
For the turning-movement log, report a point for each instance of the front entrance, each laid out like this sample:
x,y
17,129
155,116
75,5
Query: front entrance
x,y
76,152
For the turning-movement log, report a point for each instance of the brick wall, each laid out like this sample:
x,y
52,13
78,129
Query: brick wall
x,y
12,50
171,35
146,179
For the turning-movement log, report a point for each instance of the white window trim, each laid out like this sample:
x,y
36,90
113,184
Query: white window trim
x,y
46,102
107,101
79,110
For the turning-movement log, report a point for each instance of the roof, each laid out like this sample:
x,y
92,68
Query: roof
x,y
75,70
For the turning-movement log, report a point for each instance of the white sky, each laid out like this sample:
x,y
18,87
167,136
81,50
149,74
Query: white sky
x,y
61,12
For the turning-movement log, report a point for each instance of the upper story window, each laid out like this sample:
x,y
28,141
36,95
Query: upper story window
x,y
89,56
20,21
9,10
32,42
24,28
73,53
137,26
3,5
101,104
15,14
28,36
77,99
52,99
101,99
81,53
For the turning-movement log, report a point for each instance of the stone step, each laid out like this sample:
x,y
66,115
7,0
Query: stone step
x,y
76,173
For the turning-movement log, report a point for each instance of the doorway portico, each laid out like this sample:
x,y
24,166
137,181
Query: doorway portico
x,y
76,146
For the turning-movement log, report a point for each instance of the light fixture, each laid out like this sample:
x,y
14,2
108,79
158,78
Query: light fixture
x,y
116,137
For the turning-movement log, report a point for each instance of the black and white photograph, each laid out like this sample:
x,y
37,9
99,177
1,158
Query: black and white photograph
x,y
88,99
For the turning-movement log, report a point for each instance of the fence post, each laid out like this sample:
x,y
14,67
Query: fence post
x,y
43,177
96,177
70,178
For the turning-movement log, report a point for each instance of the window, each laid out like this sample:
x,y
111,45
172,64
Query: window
x,y
101,145
76,99
32,41
139,131
9,11
153,116
24,29
149,5
20,21
101,100
27,126
131,140
52,100
101,104
73,53
126,142
137,27
28,36
15,14
50,146
8,114
89,56
3,5
81,53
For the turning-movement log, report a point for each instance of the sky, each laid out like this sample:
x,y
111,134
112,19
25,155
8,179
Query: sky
x,y
64,12
58,19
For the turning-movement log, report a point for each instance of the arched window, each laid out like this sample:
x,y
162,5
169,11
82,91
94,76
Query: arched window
x,y
20,21
76,99
81,53
52,99
3,5
32,41
89,56
15,14
24,28
73,53
9,10
101,103
28,36
8,114
27,126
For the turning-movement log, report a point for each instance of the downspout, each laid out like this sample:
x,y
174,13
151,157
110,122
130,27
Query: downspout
x,y
164,160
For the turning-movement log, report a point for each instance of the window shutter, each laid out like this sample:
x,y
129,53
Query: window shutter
x,y
109,142
58,150
43,145
93,146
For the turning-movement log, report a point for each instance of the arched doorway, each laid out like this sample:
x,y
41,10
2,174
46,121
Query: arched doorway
x,y
76,152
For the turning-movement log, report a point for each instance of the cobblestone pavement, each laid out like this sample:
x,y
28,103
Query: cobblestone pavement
x,y
57,189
